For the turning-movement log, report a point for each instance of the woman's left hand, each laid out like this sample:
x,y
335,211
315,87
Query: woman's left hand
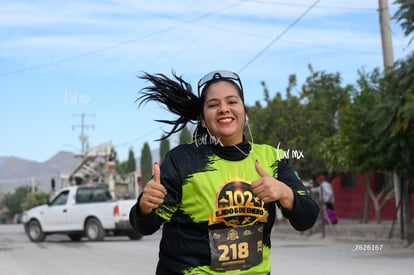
x,y
269,189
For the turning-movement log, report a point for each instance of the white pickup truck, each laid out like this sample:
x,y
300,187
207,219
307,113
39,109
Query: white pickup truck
x,y
80,211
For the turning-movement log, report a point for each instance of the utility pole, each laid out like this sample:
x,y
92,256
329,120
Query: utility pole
x,y
388,58
83,138
386,37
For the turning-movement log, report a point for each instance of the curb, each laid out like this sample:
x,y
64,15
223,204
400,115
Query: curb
x,y
346,232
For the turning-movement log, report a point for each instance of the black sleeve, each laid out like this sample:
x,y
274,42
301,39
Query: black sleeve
x,y
305,210
145,224
170,178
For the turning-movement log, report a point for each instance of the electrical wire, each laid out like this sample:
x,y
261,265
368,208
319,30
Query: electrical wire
x,y
279,36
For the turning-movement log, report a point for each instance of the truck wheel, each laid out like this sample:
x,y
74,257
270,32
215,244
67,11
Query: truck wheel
x,y
132,235
94,230
75,237
34,231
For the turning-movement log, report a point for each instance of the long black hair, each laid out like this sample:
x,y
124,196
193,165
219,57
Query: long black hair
x,y
176,95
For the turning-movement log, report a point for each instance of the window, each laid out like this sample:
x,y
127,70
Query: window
x,y
349,180
61,199
382,182
82,195
85,195
100,195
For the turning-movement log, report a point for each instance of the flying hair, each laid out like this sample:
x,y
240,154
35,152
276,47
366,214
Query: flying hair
x,y
176,95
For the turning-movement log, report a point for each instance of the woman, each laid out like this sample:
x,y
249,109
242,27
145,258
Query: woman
x,y
216,197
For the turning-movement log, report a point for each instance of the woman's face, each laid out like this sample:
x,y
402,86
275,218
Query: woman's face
x,y
224,113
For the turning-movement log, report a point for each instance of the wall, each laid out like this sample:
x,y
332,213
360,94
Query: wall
x,y
349,201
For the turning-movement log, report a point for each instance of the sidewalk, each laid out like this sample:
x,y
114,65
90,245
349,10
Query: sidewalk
x,y
348,231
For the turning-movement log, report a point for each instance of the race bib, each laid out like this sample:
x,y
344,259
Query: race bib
x,y
237,248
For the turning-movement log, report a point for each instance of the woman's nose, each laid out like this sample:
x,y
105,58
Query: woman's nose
x,y
224,108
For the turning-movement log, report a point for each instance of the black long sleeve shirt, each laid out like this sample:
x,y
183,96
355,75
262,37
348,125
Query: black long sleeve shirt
x,y
208,188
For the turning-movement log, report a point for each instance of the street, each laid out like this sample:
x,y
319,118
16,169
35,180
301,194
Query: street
x,y
119,255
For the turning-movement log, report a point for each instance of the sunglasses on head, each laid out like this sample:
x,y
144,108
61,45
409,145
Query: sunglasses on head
x,y
217,75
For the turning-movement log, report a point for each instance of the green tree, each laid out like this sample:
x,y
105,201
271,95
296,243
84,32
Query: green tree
x,y
3,208
146,164
323,98
395,129
354,146
14,201
2,198
34,199
185,136
405,16
164,148
301,123
131,161
122,167
274,123
400,126
264,119
356,127
395,118
126,167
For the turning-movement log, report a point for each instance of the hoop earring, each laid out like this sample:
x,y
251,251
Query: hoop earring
x,y
195,137
213,139
250,132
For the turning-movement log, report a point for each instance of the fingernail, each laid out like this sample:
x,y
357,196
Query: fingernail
x,y
156,163
257,161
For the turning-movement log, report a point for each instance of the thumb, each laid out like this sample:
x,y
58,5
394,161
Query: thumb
x,y
259,169
157,173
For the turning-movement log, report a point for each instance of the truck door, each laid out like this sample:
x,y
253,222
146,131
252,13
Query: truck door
x,y
55,217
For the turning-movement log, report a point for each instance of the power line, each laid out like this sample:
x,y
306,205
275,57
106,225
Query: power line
x,y
289,4
279,36
101,94
85,54
95,51
137,138
195,20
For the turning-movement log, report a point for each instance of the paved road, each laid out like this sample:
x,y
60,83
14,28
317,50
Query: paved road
x,y
119,255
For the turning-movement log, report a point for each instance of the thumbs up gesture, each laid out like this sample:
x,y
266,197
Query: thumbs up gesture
x,y
153,194
269,189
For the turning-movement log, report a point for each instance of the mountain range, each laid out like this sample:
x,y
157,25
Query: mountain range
x,y
16,172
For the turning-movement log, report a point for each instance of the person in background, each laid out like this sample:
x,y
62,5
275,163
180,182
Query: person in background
x,y
215,198
325,192
327,198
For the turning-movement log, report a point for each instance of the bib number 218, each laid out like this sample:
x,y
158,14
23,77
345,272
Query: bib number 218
x,y
236,248
233,251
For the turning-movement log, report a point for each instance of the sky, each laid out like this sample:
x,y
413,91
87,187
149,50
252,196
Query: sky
x,y
64,60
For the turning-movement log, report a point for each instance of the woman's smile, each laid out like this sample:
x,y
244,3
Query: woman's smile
x,y
224,113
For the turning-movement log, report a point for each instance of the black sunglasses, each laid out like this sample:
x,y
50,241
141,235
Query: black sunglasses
x,y
217,75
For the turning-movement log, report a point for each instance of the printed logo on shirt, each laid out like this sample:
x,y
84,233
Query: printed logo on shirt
x,y
237,206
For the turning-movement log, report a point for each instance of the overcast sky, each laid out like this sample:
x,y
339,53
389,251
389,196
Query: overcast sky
x,y
61,59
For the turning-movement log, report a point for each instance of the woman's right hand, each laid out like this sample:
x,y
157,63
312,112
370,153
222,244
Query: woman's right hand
x,y
153,194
